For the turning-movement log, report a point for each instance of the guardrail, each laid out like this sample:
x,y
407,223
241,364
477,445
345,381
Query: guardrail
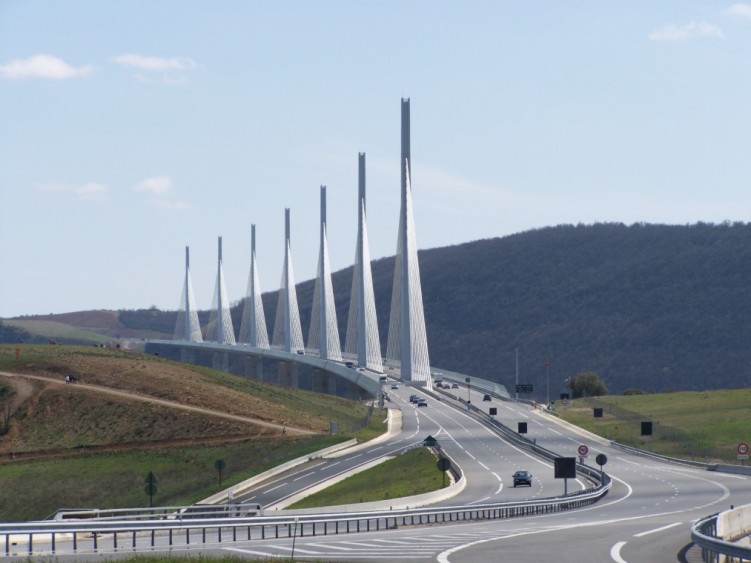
x,y
177,531
183,527
713,548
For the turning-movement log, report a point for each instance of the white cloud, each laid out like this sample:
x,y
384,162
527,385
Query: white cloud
x,y
154,64
42,66
165,204
158,185
693,30
740,10
91,191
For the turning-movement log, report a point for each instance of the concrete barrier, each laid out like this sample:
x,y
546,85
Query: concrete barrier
x,y
394,420
261,477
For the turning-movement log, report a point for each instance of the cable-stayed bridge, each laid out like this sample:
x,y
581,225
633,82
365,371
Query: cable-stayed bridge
x,y
361,362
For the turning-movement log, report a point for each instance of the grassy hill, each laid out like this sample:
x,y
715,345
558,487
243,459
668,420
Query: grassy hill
x,y
97,446
654,307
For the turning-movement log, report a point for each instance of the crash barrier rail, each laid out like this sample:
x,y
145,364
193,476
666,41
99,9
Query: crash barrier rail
x,y
159,512
600,478
105,536
496,389
715,549
659,457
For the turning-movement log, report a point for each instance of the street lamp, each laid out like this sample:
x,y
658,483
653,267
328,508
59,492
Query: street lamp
x,y
547,378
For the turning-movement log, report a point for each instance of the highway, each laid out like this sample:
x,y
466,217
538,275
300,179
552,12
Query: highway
x,y
645,517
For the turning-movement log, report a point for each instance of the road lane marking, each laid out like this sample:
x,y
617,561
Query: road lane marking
x,y
663,528
275,488
485,467
302,477
615,552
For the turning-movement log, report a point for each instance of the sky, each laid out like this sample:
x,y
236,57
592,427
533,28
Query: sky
x,y
130,130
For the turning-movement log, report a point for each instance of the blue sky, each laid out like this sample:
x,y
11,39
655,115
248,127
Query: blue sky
x,y
129,130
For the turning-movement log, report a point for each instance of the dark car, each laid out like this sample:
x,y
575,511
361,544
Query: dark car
x,y
413,398
486,397
455,386
523,478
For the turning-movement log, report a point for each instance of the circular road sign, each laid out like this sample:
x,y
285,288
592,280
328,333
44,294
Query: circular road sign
x,y
583,450
601,459
742,448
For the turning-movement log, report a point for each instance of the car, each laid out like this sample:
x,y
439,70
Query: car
x,y
486,397
455,386
349,364
413,398
522,477
422,403
394,386
439,385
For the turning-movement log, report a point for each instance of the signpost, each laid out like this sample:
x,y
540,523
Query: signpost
x,y
601,460
583,451
742,450
524,388
444,464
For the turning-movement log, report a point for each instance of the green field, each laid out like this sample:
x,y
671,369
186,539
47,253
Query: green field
x,y
691,425
413,473
59,331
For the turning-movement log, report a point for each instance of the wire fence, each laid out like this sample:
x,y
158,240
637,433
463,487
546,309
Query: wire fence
x,y
666,439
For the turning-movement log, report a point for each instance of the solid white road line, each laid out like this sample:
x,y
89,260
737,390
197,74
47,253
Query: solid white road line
x,y
658,530
615,552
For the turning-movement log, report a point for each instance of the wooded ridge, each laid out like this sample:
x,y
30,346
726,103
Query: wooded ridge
x,y
646,306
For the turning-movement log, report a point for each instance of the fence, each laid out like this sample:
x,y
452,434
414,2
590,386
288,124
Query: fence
x,y
176,531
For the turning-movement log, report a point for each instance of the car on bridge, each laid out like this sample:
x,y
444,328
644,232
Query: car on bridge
x,y
422,403
486,397
522,477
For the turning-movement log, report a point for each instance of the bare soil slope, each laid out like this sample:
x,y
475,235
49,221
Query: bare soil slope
x,y
125,399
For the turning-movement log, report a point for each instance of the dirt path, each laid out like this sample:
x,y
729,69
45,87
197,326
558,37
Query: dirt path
x,y
18,381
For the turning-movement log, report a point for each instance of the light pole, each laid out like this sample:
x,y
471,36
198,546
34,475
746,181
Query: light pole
x,y
547,379
469,385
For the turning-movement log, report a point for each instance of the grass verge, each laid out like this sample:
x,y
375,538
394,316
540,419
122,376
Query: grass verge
x,y
413,473
693,425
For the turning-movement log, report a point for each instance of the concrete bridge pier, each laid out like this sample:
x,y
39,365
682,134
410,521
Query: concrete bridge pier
x,y
355,392
220,361
253,367
187,356
287,374
324,382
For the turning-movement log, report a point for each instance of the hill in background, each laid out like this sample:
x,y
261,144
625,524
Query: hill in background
x,y
654,307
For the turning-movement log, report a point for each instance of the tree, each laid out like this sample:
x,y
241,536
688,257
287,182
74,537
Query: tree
x,y
587,384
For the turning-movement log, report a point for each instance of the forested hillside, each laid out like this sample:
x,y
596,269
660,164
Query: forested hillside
x,y
654,307
649,306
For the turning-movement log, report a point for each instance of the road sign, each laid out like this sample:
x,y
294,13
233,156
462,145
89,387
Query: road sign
x,y
601,460
583,450
524,388
742,449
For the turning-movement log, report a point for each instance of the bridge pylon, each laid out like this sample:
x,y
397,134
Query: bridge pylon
x,y
287,328
220,327
324,331
187,327
363,340
407,341
253,327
